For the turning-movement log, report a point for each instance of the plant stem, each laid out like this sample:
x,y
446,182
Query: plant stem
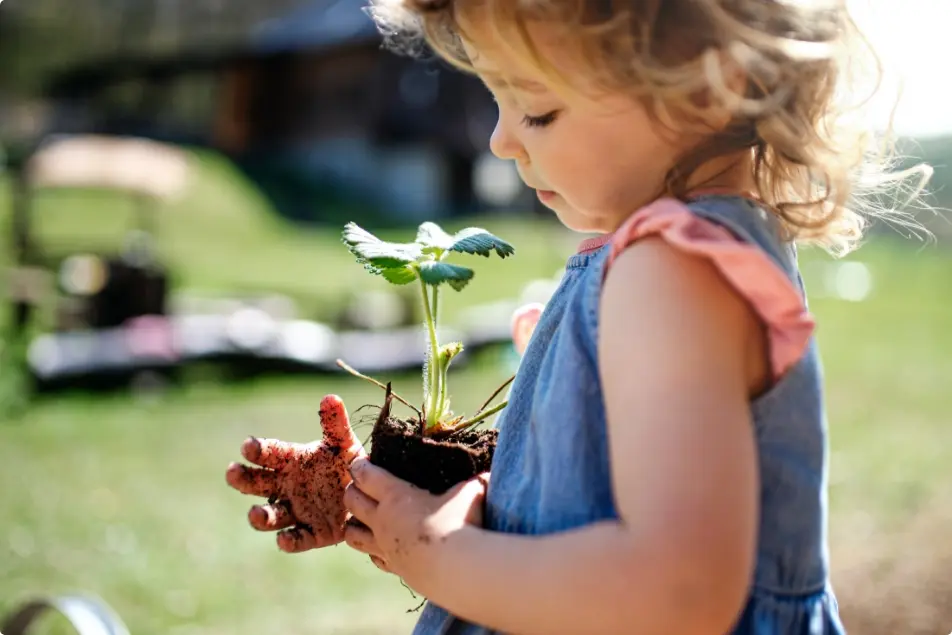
x,y
469,423
444,364
435,293
493,396
432,368
373,381
444,369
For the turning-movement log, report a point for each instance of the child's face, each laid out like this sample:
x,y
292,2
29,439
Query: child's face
x,y
593,161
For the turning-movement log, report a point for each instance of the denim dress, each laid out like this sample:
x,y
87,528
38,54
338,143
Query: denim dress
x,y
551,469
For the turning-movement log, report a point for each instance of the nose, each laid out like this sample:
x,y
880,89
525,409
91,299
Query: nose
x,y
504,144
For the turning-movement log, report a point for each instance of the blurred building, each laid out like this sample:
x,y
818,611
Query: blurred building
x,y
312,109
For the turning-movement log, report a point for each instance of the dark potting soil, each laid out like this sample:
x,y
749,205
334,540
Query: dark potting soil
x,y
433,464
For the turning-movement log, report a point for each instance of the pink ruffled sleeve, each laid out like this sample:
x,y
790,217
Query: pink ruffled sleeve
x,y
747,268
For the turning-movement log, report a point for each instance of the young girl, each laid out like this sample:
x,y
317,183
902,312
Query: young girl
x,y
661,466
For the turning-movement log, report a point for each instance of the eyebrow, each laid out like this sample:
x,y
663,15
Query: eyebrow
x,y
497,80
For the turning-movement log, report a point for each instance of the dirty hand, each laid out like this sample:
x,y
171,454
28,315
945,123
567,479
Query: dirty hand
x,y
304,483
403,524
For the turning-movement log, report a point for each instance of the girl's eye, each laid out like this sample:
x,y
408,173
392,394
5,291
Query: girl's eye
x,y
540,121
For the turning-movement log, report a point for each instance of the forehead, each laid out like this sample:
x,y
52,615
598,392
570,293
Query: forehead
x,y
496,79
532,56
502,68
505,57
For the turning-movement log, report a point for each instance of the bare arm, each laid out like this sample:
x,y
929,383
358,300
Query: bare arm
x,y
675,350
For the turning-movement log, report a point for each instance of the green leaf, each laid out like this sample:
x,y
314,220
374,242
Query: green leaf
x,y
399,275
472,240
432,235
380,255
435,273
354,235
475,240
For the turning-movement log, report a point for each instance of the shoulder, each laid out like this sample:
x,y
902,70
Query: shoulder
x,y
701,226
711,260
668,309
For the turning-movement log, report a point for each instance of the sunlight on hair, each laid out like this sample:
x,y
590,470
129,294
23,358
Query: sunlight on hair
x,y
905,37
809,87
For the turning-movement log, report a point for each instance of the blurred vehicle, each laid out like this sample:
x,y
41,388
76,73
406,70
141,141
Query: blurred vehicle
x,y
104,316
95,314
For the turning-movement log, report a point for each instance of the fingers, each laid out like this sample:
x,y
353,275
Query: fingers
x,y
336,423
269,453
376,482
271,517
360,505
304,537
362,539
297,539
254,481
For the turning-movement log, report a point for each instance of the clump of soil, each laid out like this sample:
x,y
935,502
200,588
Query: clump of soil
x,y
431,463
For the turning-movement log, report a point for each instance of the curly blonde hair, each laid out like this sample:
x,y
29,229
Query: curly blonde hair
x,y
820,172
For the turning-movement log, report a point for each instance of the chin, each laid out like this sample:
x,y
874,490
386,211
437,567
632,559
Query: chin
x,y
579,221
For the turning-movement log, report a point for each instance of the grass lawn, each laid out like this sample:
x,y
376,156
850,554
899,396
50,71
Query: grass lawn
x,y
127,500
222,236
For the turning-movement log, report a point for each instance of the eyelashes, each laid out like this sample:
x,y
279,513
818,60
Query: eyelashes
x,y
529,121
540,121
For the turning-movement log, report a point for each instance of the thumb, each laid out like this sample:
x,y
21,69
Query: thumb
x,y
468,492
469,495
336,423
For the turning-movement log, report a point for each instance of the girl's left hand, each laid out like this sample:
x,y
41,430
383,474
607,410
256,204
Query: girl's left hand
x,y
404,525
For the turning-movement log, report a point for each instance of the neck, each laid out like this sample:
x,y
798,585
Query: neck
x,y
734,172
728,175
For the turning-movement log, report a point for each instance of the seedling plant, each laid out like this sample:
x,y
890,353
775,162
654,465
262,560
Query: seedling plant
x,y
424,262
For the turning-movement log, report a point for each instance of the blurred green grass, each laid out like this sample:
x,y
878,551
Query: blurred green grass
x,y
127,500
223,236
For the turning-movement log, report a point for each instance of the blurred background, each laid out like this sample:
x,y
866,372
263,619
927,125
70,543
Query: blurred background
x,y
174,177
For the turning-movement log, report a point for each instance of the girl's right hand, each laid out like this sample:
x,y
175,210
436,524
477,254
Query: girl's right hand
x,y
304,483
523,323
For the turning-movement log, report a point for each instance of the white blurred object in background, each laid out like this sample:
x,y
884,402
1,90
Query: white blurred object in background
x,y
851,280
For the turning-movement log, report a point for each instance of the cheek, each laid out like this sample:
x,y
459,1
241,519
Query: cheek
x,y
561,155
555,164
613,182
632,162
601,164
595,172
